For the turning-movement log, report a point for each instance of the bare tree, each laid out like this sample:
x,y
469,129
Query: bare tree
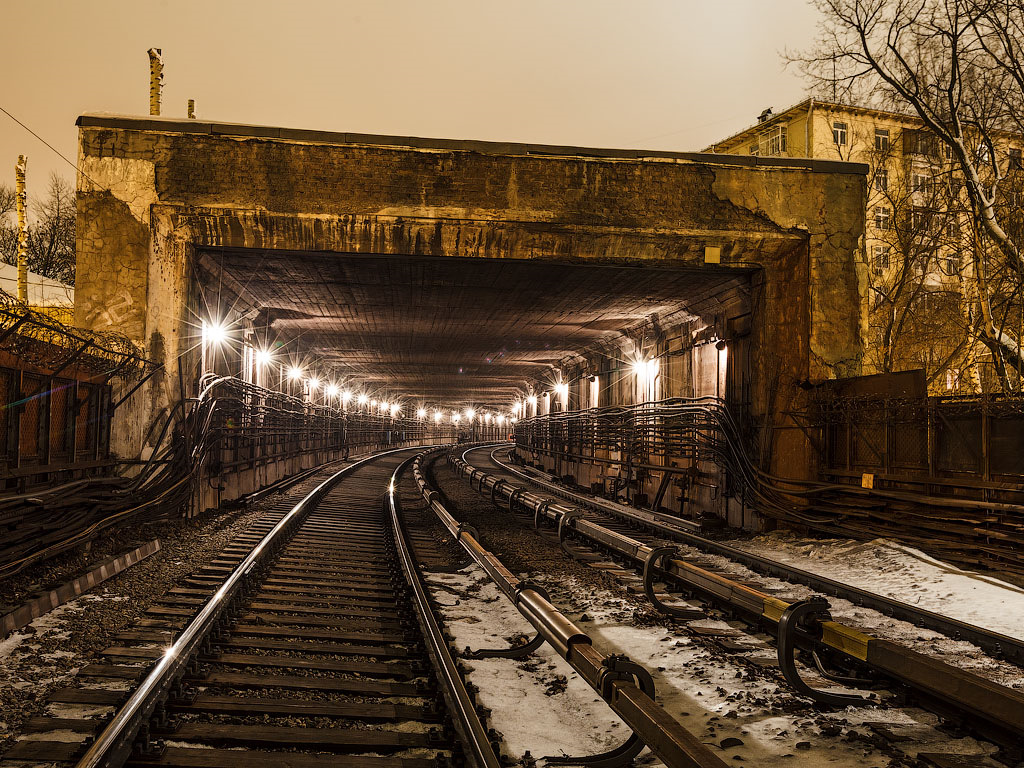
x,y
916,315
51,232
959,66
52,238
8,228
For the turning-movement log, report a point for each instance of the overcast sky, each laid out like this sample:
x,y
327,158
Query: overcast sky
x,y
656,74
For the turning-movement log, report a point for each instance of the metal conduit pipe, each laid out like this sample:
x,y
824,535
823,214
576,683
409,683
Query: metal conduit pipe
x,y
619,681
996,709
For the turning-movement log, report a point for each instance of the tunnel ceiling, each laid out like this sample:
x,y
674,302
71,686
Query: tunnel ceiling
x,y
440,329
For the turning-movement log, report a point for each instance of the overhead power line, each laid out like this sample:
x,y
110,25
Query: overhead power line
x,y
52,148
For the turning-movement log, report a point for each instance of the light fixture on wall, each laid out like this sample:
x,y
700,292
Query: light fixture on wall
x,y
214,333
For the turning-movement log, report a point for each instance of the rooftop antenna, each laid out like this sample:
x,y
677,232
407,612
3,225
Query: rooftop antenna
x,y
21,200
156,79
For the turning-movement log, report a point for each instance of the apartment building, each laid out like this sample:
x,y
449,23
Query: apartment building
x,y
922,287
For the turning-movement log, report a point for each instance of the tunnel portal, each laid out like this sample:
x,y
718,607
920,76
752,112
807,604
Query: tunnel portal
x,y
454,274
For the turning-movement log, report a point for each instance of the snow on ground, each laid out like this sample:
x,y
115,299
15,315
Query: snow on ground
x,y
957,653
538,703
715,697
902,573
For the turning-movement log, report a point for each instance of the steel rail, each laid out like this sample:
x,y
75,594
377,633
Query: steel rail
x,y
460,704
114,743
619,681
993,643
996,709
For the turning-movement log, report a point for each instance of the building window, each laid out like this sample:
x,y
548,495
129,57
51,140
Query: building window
x,y
921,219
951,265
882,139
753,149
883,217
773,141
882,179
880,262
919,142
1015,160
839,133
922,183
952,378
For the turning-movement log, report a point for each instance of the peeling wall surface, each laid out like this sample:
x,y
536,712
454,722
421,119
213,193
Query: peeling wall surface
x,y
154,193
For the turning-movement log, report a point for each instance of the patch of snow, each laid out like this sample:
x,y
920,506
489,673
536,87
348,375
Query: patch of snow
x,y
571,720
902,573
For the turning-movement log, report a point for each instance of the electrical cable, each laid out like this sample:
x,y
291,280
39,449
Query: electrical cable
x,y
53,149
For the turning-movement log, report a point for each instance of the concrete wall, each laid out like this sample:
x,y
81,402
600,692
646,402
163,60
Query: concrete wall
x,y
164,188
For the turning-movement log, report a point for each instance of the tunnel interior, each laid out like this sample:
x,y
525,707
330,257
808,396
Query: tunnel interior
x,y
449,331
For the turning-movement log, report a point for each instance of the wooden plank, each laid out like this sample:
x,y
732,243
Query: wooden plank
x,y
368,668
245,705
245,630
78,725
320,738
183,757
88,696
310,683
356,608
314,647
45,751
118,671
324,621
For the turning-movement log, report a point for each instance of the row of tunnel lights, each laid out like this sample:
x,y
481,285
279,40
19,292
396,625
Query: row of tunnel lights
x,y
217,334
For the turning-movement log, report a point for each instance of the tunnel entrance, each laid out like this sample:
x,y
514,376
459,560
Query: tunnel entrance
x,y
531,268
443,332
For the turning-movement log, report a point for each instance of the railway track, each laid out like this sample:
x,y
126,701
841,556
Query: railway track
x,y
628,520
646,542
308,642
